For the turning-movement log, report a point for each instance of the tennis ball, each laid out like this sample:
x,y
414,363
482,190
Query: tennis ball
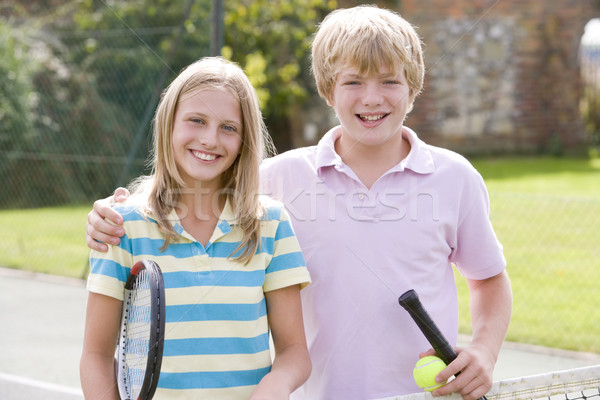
x,y
425,372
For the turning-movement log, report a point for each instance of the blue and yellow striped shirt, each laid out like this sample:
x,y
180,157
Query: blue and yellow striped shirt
x,y
217,333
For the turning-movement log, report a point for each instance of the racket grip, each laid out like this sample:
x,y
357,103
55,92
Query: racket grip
x,y
411,303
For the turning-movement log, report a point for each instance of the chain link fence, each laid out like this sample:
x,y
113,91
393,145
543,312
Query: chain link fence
x,y
75,111
78,98
552,249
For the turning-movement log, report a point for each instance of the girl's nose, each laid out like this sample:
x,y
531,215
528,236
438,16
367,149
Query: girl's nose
x,y
208,138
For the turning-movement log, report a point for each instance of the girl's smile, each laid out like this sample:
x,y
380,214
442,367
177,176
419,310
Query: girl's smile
x,y
204,156
207,136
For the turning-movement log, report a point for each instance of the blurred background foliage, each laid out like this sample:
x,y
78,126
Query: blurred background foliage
x,y
83,78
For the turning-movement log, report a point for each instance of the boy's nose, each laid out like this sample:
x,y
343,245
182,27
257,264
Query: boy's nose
x,y
372,96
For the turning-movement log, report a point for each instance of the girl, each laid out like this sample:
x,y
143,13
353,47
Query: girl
x,y
232,266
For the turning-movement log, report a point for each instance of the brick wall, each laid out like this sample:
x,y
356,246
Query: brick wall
x,y
502,76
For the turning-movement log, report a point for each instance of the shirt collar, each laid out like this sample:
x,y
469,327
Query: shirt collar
x,y
227,215
419,158
226,221
326,155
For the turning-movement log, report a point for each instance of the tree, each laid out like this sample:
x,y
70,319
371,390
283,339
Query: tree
x,y
16,122
270,39
88,75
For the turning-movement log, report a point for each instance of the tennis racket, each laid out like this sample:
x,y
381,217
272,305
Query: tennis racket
x,y
139,351
411,303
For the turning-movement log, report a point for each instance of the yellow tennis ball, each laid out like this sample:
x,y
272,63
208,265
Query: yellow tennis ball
x,y
425,372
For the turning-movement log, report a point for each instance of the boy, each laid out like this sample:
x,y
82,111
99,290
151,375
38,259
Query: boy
x,y
377,212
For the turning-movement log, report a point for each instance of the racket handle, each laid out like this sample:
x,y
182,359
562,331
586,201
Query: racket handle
x,y
411,303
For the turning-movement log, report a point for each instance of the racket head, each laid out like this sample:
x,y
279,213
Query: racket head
x,y
141,337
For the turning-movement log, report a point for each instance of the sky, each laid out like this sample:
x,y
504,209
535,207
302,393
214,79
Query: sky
x,y
591,35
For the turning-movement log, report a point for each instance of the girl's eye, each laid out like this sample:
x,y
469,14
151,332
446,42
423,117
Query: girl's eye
x,y
197,120
391,82
230,128
350,83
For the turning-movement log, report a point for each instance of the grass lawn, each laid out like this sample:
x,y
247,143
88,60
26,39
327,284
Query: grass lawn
x,y
47,240
546,212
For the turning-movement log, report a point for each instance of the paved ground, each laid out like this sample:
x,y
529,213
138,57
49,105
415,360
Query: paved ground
x,y
42,331
41,336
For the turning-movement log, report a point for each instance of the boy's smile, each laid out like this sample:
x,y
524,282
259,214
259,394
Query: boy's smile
x,y
371,108
371,118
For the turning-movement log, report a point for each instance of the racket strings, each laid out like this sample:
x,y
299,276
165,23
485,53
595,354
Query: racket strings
x,y
135,334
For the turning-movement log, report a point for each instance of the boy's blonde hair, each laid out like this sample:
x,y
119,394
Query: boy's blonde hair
x,y
366,38
164,186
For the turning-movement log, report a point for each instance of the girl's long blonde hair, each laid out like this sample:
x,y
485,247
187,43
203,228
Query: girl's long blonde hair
x,y
162,189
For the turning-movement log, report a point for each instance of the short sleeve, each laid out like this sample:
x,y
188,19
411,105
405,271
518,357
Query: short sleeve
x,y
287,266
478,254
109,271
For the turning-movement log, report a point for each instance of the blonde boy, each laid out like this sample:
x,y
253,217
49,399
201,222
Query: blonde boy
x,y
377,212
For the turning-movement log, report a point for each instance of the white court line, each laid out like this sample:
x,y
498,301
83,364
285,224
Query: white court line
x,y
40,384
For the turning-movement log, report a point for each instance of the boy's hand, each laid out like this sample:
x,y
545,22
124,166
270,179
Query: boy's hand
x,y
475,365
105,224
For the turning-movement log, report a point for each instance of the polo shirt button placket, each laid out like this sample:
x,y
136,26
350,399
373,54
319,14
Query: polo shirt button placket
x,y
362,199
199,254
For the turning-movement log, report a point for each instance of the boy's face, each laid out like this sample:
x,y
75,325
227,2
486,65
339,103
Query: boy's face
x,y
371,109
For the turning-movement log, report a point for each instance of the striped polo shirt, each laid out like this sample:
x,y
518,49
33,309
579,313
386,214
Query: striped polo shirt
x,y
217,333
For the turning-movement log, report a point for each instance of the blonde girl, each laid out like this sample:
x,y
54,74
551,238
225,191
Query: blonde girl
x,y
232,266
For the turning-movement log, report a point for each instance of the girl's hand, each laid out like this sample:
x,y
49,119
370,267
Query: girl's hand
x,y
291,366
271,388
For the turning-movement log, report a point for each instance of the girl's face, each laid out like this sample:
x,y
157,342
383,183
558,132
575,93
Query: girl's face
x,y
207,137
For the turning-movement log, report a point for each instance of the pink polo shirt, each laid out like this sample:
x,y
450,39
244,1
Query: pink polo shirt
x,y
365,247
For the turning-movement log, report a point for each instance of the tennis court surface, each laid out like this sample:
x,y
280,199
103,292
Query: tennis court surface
x,y
42,335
